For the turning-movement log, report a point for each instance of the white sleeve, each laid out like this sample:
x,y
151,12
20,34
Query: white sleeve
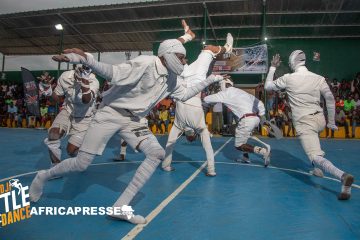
x,y
277,84
59,90
216,98
196,72
182,93
329,100
261,108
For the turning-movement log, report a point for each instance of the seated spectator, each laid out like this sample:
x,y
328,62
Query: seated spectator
x,y
288,121
166,102
349,104
172,112
51,112
355,120
339,102
12,112
344,89
340,120
153,117
3,113
163,118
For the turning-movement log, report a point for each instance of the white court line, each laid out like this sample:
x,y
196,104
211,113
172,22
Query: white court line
x,y
138,228
226,163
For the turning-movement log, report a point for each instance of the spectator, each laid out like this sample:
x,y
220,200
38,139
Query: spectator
x,y
217,118
288,122
163,118
340,120
355,84
12,112
355,121
349,104
357,100
3,113
339,102
43,114
270,100
153,117
229,117
172,112
166,102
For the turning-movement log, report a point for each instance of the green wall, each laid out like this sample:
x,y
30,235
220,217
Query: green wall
x,y
340,58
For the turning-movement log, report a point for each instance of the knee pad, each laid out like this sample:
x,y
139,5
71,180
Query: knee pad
x,y
83,161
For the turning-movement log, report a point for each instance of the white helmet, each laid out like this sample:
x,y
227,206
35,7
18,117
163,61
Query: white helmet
x,y
296,59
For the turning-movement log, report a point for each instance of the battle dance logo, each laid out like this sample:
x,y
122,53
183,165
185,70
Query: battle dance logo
x,y
14,203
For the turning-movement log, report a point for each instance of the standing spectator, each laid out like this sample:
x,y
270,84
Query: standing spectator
x,y
349,104
340,120
163,118
229,117
217,118
357,100
12,112
355,121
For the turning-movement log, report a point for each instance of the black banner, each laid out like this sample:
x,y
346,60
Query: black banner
x,y
31,92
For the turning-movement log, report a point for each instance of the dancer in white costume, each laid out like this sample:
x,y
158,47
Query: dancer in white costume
x,y
304,89
138,85
190,115
250,111
80,88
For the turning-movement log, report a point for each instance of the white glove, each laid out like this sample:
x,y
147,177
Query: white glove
x,y
75,58
215,78
332,126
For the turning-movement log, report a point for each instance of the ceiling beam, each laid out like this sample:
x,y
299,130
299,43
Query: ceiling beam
x,y
210,22
84,38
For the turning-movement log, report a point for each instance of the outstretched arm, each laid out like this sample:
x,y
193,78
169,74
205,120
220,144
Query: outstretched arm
x,y
188,36
215,98
76,55
182,93
277,84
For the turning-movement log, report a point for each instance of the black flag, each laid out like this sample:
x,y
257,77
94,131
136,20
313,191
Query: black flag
x,y
31,92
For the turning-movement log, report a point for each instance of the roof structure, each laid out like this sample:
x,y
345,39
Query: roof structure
x,y
137,26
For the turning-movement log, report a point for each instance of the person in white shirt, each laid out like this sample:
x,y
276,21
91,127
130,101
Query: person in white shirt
x,y
304,89
249,110
80,88
137,86
189,115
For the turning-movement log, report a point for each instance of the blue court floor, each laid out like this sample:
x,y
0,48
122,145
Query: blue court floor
x,y
241,202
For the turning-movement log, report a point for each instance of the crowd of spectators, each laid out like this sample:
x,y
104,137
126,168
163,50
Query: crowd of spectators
x,y
13,109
